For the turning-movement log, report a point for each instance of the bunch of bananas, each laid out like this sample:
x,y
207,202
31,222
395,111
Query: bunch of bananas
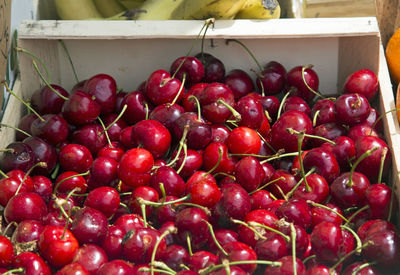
x,y
167,9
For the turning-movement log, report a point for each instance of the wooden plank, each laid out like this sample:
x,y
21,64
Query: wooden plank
x,y
5,13
339,8
388,13
276,28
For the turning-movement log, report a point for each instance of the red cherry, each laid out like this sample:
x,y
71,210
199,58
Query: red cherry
x,y
214,69
117,267
91,136
272,248
238,251
91,256
243,140
173,183
104,90
129,222
351,109
112,243
202,259
364,82
205,193
105,199
249,173
239,82
69,180
161,88
191,66
137,107
73,269
31,263
6,252
52,127
89,226
25,206
134,167
75,157
103,172
45,101
27,231
295,80
81,108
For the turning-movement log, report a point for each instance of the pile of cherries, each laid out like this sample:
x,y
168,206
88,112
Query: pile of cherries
x,y
200,171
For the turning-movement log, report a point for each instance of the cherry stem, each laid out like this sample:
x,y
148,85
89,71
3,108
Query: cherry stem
x,y
255,224
197,105
12,271
293,236
143,209
163,193
235,113
47,83
16,129
147,269
348,255
356,213
292,131
361,158
70,177
189,244
305,82
358,240
225,175
263,262
180,90
314,121
170,230
69,59
248,51
4,233
309,258
266,142
164,267
23,102
184,159
217,164
116,119
181,143
212,233
147,111
282,104
205,209
382,163
38,164
207,24
267,184
9,150
55,171
278,156
19,49
314,204
4,175
104,131
125,194
125,206
290,193
225,263
358,269
381,117
258,234
142,201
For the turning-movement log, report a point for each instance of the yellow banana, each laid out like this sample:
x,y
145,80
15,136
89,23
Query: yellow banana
x,y
158,9
204,9
108,7
259,9
131,4
76,9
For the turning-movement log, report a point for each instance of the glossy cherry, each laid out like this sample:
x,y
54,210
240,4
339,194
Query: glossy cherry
x,y
81,108
162,88
239,82
75,157
103,88
297,78
191,66
91,256
25,206
105,199
364,82
89,225
134,167
32,264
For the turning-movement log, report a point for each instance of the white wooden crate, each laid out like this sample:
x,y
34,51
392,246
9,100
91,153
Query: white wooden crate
x,y
131,50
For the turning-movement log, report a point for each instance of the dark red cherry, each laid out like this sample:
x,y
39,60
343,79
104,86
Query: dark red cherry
x,y
296,211
112,243
45,101
251,112
191,66
25,125
378,197
175,256
192,162
25,206
261,199
137,107
105,199
284,182
43,152
239,82
91,136
73,269
324,163
53,128
114,130
211,157
344,151
249,173
272,248
146,193
81,108
32,264
89,226
271,105
167,114
135,166
370,227
297,80
320,214
238,251
91,256
286,267
129,222
296,103
6,252
69,180
323,110
104,90
363,82
214,69
351,109
202,259
172,181
117,267
75,157
272,79
17,156
317,190
361,129
188,102
365,270
27,231
330,130
162,88
205,193
103,172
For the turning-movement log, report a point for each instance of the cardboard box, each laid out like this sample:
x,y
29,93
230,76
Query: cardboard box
x,y
130,51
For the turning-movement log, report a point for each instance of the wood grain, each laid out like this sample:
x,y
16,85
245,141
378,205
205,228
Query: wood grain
x,y
388,14
5,10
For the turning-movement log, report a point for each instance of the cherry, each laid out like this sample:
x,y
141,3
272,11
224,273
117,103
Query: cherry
x,y
223,236
351,109
103,172
57,245
81,108
296,211
9,186
370,227
190,224
105,199
192,162
365,270
272,248
302,240
43,152
137,107
378,197
112,243
272,79
115,152
173,183
251,112
320,214
140,243
238,251
153,136
146,193
214,69
51,127
235,203
18,156
188,103
117,267
167,114
25,125
364,82
239,82
324,163
166,213
68,181
214,101
25,206
249,173
75,157
54,219
201,260
296,81
91,136
317,190
45,101
90,256
243,140
189,66
6,252
281,138
125,137
162,88
261,199
62,200
211,157
175,256
89,225
323,111
344,151
104,90
296,103
283,182
129,222
118,101
271,105
27,231
330,130
114,126
384,249
73,269
134,167
233,270
32,263
205,193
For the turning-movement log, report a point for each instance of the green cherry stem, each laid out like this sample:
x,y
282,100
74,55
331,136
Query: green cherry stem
x,y
189,244
358,240
70,177
179,91
257,224
16,129
143,209
292,131
267,184
300,139
290,193
4,175
184,159
163,193
116,119
181,143
361,158
219,266
39,164
282,104
382,163
278,156
142,201
293,236
19,49
314,121
235,113
148,269
105,131
248,51
356,213
197,106
258,234
171,230
215,238
348,255
305,82
217,164
314,204
13,271
358,269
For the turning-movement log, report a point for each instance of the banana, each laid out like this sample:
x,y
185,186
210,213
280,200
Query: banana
x,y
204,9
131,4
259,9
158,9
108,8
76,9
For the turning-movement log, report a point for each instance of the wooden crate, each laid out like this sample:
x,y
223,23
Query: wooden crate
x,y
130,51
